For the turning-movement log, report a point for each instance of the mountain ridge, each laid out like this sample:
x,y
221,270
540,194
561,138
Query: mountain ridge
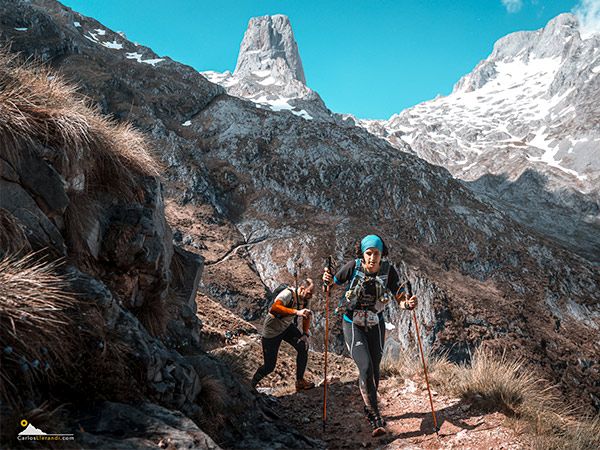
x,y
528,107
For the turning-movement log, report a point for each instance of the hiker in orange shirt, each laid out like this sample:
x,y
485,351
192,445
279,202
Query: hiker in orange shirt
x,y
280,326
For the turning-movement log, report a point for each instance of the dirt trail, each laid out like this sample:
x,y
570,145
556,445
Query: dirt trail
x,y
404,403
406,409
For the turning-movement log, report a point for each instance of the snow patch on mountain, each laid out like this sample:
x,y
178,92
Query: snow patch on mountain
x,y
138,57
549,154
106,39
114,45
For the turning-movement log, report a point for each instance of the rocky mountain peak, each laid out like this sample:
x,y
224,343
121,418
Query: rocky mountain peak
x,y
269,71
551,44
548,42
269,45
565,23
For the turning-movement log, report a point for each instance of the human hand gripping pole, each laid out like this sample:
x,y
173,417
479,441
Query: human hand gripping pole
x,y
326,343
409,302
302,310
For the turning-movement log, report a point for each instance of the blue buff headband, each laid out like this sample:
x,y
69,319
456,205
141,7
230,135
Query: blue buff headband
x,y
371,241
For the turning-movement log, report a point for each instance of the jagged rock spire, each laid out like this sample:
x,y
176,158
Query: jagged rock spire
x,y
269,44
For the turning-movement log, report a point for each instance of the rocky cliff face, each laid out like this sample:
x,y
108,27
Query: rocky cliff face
x,y
521,130
266,187
79,188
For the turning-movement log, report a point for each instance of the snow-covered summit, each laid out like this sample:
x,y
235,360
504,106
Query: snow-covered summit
x,y
533,101
554,41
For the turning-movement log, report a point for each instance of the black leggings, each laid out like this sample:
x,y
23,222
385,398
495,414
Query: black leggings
x,y
271,348
366,349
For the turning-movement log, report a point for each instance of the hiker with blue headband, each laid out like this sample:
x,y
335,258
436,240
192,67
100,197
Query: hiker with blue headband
x,y
372,283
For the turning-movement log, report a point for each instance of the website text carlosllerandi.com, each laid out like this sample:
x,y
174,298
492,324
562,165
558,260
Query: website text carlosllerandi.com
x,y
46,438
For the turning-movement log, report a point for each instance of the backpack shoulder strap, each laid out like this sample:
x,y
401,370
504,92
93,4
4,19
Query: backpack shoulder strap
x,y
384,271
357,273
351,283
357,267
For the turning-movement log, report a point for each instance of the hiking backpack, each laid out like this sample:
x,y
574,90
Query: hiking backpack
x,y
278,290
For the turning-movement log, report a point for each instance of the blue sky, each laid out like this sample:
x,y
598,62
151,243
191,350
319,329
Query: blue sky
x,y
371,58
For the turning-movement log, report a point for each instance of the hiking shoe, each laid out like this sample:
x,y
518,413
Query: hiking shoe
x,y
368,414
303,385
377,423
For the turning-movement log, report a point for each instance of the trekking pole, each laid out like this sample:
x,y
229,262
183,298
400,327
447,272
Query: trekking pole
x,y
305,320
326,290
296,284
435,427
297,268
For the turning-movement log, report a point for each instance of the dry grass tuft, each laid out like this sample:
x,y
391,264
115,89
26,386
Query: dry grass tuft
x,y
37,335
51,339
38,107
578,435
13,240
212,399
154,316
495,382
39,111
53,342
131,146
407,365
